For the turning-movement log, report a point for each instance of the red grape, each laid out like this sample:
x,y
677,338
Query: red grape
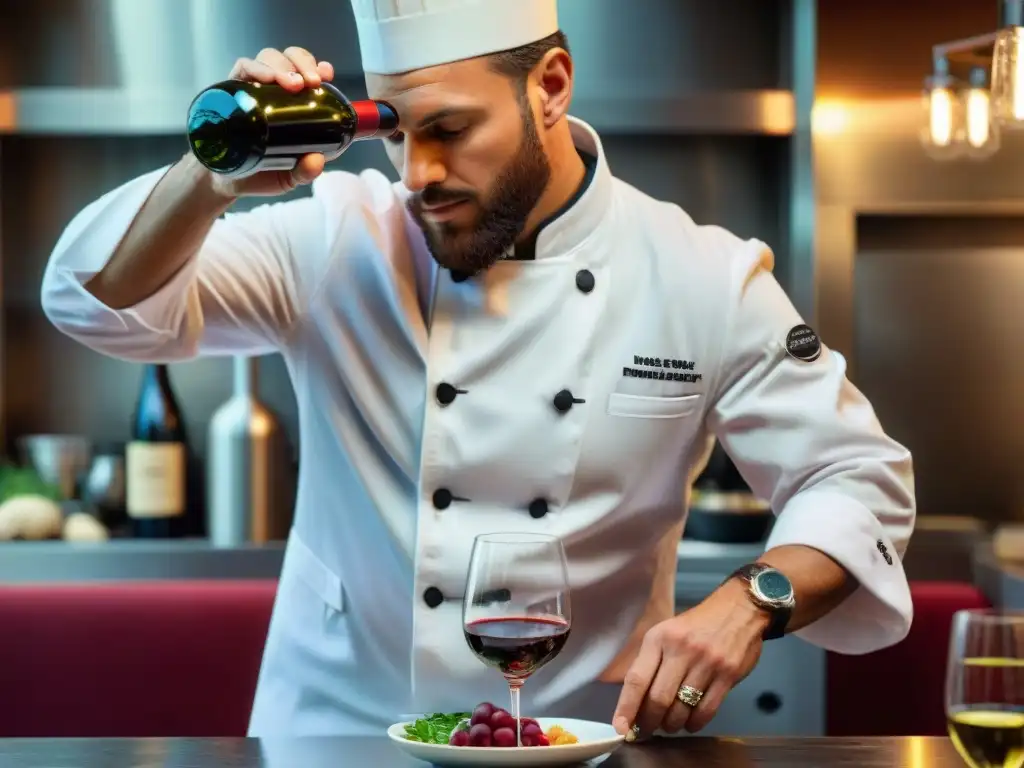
x,y
459,739
528,741
504,737
480,735
502,719
543,741
530,729
482,713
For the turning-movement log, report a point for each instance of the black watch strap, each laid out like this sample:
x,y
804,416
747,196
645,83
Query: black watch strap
x,y
778,618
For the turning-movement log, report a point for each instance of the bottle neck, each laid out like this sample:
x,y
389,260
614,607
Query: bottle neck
x,y
374,119
156,373
245,374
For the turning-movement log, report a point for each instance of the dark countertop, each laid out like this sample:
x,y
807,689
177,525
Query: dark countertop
x,y
359,752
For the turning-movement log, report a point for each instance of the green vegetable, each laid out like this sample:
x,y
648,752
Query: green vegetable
x,y
23,481
436,728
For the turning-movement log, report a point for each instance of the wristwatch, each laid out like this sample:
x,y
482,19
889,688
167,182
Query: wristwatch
x,y
771,591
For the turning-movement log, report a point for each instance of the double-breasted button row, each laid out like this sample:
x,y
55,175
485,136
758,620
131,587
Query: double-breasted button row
x,y
445,395
443,499
585,280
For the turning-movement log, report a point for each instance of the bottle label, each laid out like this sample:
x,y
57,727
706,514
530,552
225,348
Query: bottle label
x,y
155,479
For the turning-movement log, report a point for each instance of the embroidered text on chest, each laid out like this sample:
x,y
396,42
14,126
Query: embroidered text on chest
x,y
662,369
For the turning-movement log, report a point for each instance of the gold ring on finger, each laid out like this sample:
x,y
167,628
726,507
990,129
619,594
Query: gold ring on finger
x,y
689,695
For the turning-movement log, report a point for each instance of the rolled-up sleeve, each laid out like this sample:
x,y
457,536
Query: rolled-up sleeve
x,y
808,441
84,248
241,292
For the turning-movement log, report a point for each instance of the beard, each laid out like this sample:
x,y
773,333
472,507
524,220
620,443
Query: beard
x,y
476,247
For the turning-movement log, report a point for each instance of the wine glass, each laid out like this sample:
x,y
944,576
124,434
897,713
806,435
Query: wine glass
x,y
515,614
985,688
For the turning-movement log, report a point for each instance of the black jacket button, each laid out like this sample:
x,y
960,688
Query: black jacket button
x,y
442,498
564,401
585,280
432,597
538,508
446,394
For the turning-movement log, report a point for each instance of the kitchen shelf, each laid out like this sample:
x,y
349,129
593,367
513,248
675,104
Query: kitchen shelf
x,y
120,112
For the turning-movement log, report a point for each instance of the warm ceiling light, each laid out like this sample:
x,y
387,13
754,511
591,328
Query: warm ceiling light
x,y
942,132
981,134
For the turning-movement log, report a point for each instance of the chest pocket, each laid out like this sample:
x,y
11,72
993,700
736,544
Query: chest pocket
x,y
651,407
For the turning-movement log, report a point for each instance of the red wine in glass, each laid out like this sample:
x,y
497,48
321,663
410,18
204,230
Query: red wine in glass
x,y
517,645
515,613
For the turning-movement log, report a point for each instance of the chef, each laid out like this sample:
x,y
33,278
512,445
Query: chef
x,y
509,338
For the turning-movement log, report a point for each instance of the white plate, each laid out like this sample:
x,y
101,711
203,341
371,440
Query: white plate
x,y
595,740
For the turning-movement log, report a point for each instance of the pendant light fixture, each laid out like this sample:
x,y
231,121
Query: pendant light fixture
x,y
976,89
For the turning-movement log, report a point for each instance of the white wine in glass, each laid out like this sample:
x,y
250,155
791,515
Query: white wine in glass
x,y
985,688
516,614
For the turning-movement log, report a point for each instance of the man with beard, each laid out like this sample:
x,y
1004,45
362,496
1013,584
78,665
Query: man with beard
x,y
509,339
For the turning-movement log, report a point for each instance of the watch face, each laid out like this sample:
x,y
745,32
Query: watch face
x,y
774,586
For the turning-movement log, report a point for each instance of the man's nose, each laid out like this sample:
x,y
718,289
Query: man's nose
x,y
422,166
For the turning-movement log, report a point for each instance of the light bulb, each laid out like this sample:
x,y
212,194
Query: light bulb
x,y
1007,107
942,132
981,134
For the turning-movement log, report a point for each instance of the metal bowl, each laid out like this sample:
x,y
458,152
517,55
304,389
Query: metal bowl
x,y
58,459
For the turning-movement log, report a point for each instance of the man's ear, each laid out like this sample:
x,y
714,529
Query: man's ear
x,y
553,77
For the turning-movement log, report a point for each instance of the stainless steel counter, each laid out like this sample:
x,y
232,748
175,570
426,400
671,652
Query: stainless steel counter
x,y
702,566
134,560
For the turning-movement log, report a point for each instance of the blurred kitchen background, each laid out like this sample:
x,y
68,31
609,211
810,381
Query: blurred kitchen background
x,y
794,121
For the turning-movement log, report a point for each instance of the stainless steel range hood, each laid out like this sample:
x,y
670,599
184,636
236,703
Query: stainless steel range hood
x,y
131,67
117,111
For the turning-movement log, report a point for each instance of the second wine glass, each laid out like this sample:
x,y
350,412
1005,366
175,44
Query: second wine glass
x,y
985,688
516,611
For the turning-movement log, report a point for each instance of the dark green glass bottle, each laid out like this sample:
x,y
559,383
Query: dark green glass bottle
x,y
237,128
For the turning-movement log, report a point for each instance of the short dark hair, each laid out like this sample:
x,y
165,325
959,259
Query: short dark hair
x,y
518,63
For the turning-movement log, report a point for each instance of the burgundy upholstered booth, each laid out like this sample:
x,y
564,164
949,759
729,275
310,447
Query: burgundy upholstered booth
x,y
899,691
141,659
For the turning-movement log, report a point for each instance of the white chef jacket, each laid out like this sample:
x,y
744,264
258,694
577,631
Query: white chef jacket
x,y
663,333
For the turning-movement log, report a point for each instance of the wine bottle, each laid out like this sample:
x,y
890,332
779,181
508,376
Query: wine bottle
x,y
156,460
237,128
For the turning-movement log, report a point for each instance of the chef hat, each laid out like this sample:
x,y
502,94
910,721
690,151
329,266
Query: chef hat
x,y
402,35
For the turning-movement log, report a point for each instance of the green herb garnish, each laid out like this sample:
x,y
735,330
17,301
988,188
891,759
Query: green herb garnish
x,y
436,728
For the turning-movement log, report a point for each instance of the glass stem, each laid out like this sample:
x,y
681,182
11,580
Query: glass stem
x,y
513,690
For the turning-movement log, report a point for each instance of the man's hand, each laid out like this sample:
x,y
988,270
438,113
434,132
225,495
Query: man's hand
x,y
711,647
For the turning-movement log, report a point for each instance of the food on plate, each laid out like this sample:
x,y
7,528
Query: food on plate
x,y
486,726
557,735
436,728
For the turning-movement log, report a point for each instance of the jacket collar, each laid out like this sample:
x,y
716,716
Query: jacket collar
x,y
582,215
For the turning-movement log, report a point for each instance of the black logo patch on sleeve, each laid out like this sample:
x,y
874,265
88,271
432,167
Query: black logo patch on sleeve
x,y
802,343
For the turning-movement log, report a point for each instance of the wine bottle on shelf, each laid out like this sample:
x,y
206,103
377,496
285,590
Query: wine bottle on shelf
x,y
237,128
156,460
